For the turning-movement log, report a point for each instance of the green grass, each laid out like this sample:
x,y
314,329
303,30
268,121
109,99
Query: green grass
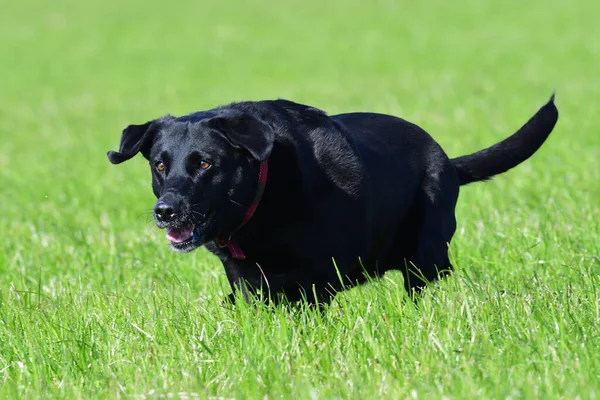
x,y
94,305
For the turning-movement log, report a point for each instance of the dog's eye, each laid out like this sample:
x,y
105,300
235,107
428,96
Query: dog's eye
x,y
160,167
204,164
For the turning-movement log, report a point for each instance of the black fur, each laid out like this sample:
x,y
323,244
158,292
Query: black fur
x,y
346,195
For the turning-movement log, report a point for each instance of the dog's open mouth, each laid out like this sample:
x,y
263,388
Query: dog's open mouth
x,y
183,238
180,235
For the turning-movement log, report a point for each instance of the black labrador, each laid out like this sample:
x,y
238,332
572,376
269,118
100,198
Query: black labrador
x,y
298,204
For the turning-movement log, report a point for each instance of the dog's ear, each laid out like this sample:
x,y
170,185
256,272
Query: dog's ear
x,y
134,139
245,131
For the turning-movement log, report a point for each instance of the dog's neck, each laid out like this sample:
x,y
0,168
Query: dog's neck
x,y
283,199
232,246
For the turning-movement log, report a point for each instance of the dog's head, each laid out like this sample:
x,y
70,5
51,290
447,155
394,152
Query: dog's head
x,y
204,170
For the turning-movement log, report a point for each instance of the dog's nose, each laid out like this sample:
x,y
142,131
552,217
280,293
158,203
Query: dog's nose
x,y
166,212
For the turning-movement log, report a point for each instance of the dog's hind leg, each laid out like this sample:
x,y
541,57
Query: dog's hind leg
x,y
437,223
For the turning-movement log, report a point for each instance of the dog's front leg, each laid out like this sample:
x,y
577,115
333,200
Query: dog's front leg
x,y
234,269
250,280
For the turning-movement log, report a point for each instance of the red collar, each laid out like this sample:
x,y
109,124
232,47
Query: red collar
x,y
234,248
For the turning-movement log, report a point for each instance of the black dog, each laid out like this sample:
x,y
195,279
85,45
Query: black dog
x,y
299,203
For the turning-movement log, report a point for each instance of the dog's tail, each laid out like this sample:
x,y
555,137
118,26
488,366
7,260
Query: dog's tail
x,y
510,152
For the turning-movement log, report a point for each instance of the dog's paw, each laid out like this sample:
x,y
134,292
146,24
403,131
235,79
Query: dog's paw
x,y
229,300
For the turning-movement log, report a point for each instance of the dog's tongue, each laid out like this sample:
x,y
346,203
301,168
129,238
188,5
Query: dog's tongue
x,y
178,235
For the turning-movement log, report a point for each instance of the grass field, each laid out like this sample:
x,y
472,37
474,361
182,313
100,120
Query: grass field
x,y
93,304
